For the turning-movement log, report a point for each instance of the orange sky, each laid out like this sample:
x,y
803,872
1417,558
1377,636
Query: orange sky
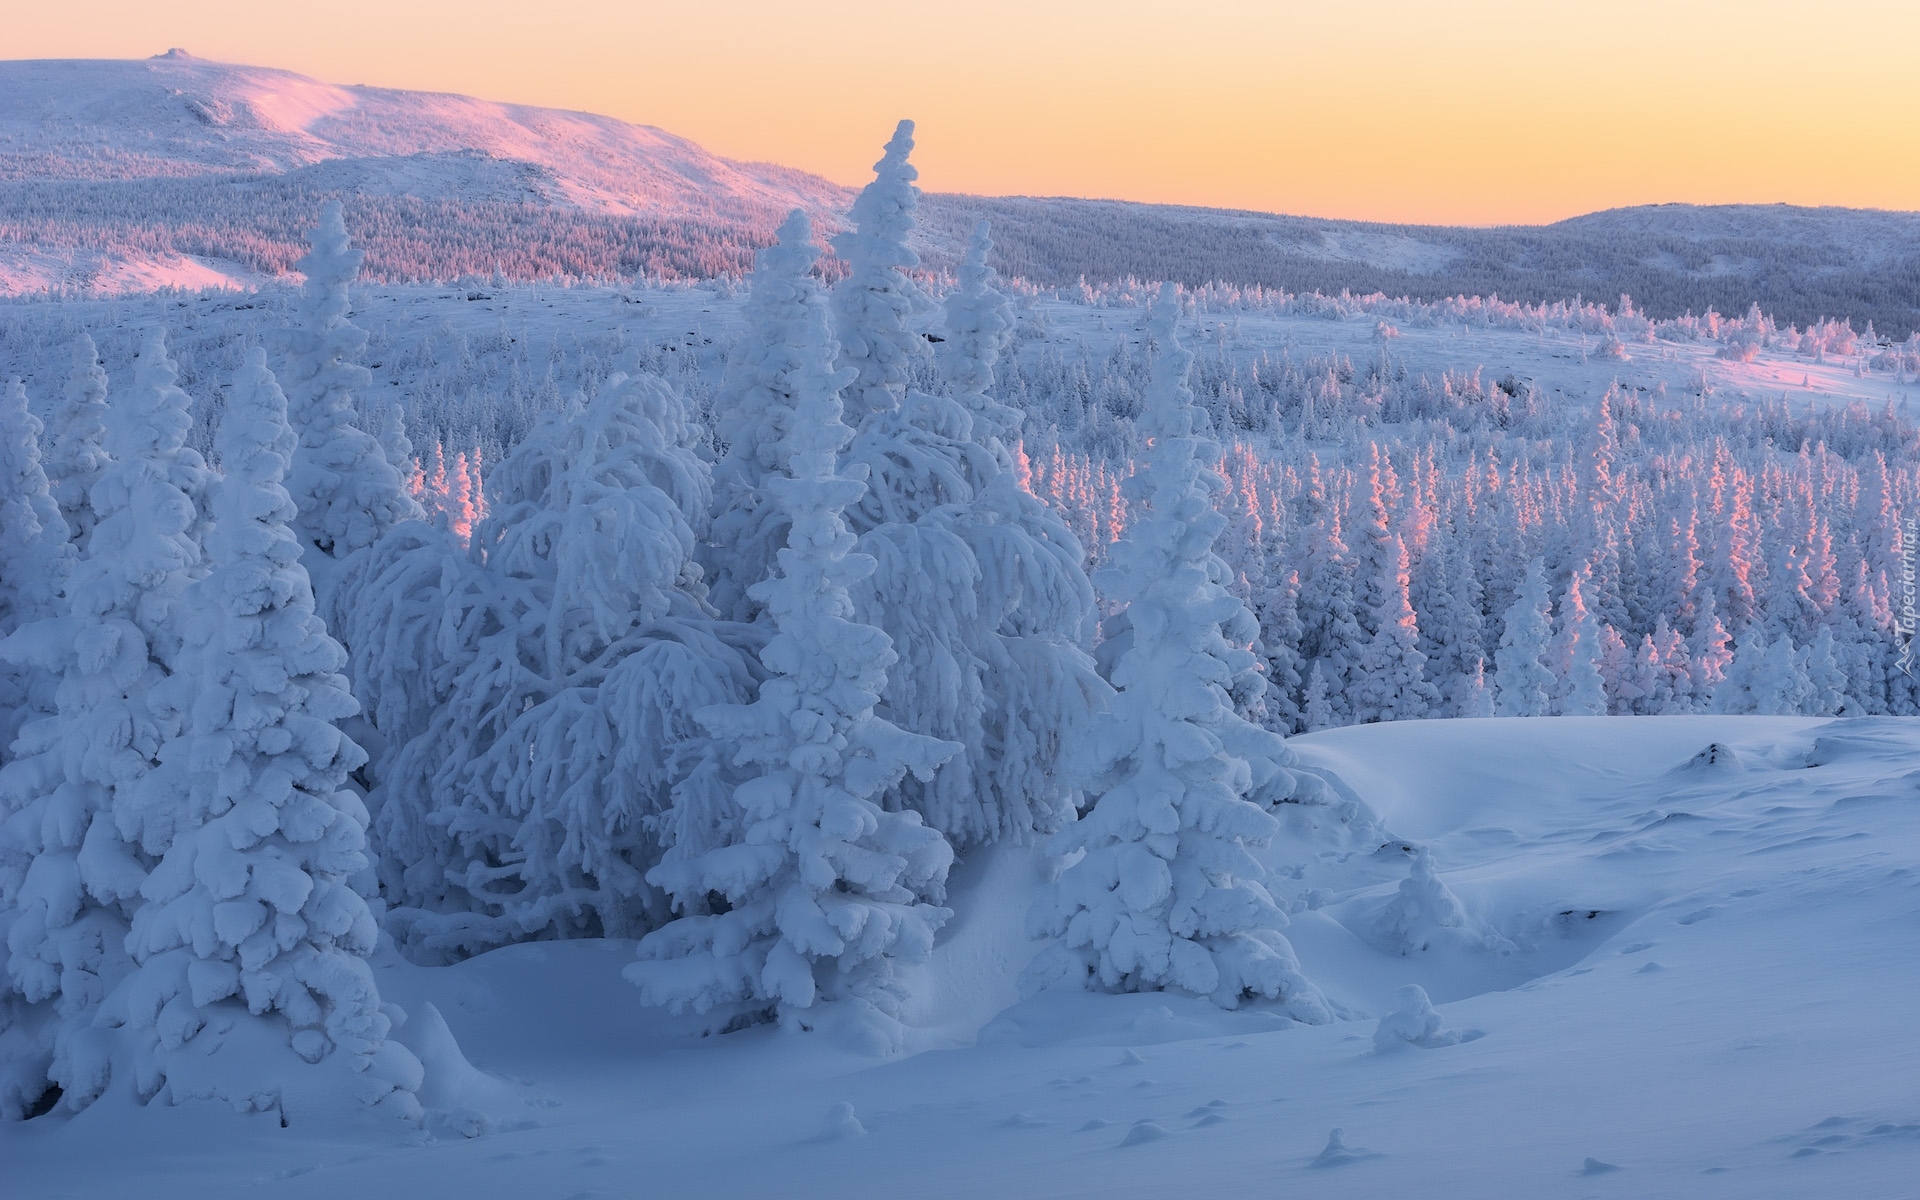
x,y
1459,111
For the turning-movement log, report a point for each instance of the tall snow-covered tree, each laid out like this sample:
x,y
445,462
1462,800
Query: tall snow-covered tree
x,y
1392,684
1034,611
345,490
1826,679
36,555
1281,633
822,890
979,326
250,943
75,448
872,303
72,878
577,651
36,561
1579,650
1524,687
1165,893
979,587
1333,638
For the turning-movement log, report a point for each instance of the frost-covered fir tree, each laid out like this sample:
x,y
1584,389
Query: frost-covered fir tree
x,y
1034,610
748,526
1316,711
75,446
1579,650
1332,638
1741,689
1826,679
1280,635
73,879
1473,697
979,587
36,560
576,651
820,890
1392,683
979,326
36,555
250,943
1523,686
1165,893
345,490
1785,688
872,303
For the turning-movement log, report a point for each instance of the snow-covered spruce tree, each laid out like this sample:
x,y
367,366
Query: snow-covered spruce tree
x,y
1281,632
36,561
748,526
36,557
1315,710
250,943
1577,650
576,651
1332,638
871,304
345,490
978,585
1786,689
75,447
820,890
1165,894
1742,689
1392,684
1035,603
74,878
1523,686
1826,679
979,327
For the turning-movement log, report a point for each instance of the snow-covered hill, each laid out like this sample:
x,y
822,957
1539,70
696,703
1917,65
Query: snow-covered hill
x,y
125,175
1682,974
176,115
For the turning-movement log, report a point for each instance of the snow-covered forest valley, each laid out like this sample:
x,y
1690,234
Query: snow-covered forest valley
x,y
867,727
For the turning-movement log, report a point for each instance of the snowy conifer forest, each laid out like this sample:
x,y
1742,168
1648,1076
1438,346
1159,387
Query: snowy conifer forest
x,y
872,726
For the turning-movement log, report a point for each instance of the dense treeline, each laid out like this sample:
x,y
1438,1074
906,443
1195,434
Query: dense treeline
x,y
488,216
1863,267
257,221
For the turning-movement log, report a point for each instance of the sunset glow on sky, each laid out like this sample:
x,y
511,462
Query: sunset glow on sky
x,y
1470,111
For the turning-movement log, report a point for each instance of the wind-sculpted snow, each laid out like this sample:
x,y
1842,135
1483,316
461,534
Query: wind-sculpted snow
x,y
1705,999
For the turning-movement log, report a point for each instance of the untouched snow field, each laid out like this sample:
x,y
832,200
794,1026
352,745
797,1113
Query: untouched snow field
x,y
1680,962
504,346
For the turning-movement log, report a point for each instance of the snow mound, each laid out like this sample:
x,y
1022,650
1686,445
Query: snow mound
x,y
841,1124
1339,1154
456,1095
1425,913
1415,1023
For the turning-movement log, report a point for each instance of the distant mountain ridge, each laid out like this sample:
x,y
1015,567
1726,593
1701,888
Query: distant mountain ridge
x,y
1799,264
177,115
120,175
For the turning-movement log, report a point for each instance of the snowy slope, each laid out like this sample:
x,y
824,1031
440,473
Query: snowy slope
x,y
177,115
1695,984
120,176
